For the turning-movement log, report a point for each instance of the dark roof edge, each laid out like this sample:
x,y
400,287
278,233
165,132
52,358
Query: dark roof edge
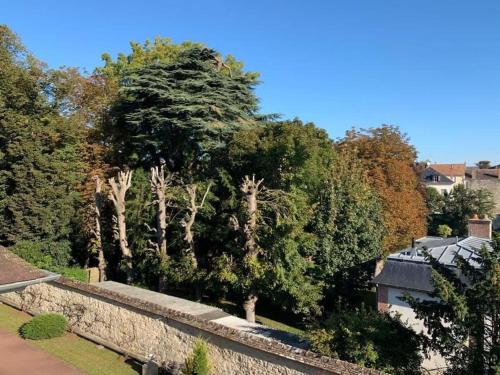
x,y
399,287
306,357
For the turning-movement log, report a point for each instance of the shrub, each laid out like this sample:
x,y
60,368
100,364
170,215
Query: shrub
x,y
44,326
50,256
444,230
197,363
44,254
370,339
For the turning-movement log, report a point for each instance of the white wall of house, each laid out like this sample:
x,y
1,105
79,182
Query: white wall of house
x,y
442,188
396,306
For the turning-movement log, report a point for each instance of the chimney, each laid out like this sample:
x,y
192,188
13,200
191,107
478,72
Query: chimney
x,y
480,227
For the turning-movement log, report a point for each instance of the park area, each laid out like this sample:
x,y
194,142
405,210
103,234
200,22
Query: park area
x,y
65,355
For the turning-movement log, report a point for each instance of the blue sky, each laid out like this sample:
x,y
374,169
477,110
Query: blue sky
x,y
431,67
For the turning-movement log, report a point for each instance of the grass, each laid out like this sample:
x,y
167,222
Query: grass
x,y
232,308
278,325
72,349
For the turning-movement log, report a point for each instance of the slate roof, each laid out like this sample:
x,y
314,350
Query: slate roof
x,y
16,273
409,269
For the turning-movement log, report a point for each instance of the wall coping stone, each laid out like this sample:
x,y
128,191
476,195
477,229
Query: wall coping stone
x,y
322,363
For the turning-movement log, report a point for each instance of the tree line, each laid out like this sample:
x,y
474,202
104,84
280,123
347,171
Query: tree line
x,y
159,168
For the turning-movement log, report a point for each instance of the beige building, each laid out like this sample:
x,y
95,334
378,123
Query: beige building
x,y
443,177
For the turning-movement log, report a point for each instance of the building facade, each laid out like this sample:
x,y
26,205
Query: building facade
x,y
443,177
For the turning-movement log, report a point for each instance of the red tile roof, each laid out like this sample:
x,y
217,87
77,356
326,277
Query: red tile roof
x,y
14,269
449,169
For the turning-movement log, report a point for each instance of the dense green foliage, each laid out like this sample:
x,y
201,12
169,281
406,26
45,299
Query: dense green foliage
x,y
370,339
183,111
39,155
349,229
456,208
464,320
44,326
198,363
50,256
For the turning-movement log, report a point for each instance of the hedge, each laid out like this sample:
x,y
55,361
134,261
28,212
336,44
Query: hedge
x,y
44,326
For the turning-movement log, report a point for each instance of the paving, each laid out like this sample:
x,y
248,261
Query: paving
x,y
18,357
202,311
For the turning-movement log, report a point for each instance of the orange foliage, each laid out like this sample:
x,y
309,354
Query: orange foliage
x,y
389,160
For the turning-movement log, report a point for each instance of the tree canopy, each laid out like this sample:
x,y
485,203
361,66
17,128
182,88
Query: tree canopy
x,y
183,111
389,160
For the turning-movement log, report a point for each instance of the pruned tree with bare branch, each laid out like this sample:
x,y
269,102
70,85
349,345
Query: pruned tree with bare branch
x,y
97,229
261,206
251,188
119,186
160,181
190,217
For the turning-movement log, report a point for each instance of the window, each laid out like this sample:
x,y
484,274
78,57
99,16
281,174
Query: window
x,y
435,178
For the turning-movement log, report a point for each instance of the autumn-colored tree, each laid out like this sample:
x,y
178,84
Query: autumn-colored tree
x,y
389,158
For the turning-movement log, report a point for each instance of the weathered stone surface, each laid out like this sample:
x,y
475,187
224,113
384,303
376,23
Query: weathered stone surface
x,y
149,331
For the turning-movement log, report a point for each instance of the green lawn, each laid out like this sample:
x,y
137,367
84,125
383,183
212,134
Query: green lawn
x,y
82,354
278,325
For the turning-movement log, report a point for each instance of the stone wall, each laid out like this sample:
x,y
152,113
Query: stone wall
x,y
141,329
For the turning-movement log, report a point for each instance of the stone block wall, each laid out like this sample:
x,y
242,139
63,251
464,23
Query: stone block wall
x,y
142,329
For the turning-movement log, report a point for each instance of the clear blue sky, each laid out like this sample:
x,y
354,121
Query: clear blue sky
x,y
431,67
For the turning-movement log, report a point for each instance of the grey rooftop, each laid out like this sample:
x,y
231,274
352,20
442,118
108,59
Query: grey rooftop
x,y
445,250
409,269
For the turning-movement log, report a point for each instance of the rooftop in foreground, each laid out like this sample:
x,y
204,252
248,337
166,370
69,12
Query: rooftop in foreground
x,y
15,273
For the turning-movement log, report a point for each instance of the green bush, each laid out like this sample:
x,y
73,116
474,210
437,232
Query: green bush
x,y
50,256
44,254
369,339
44,326
444,230
197,363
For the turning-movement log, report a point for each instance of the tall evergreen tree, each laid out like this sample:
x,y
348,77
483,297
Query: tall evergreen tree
x,y
184,112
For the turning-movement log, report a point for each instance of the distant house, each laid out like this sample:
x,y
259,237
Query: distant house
x,y
407,271
488,179
443,177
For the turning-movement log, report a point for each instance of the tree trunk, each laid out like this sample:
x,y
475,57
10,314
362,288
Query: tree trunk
x,y
97,230
250,188
158,186
117,196
249,306
190,218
